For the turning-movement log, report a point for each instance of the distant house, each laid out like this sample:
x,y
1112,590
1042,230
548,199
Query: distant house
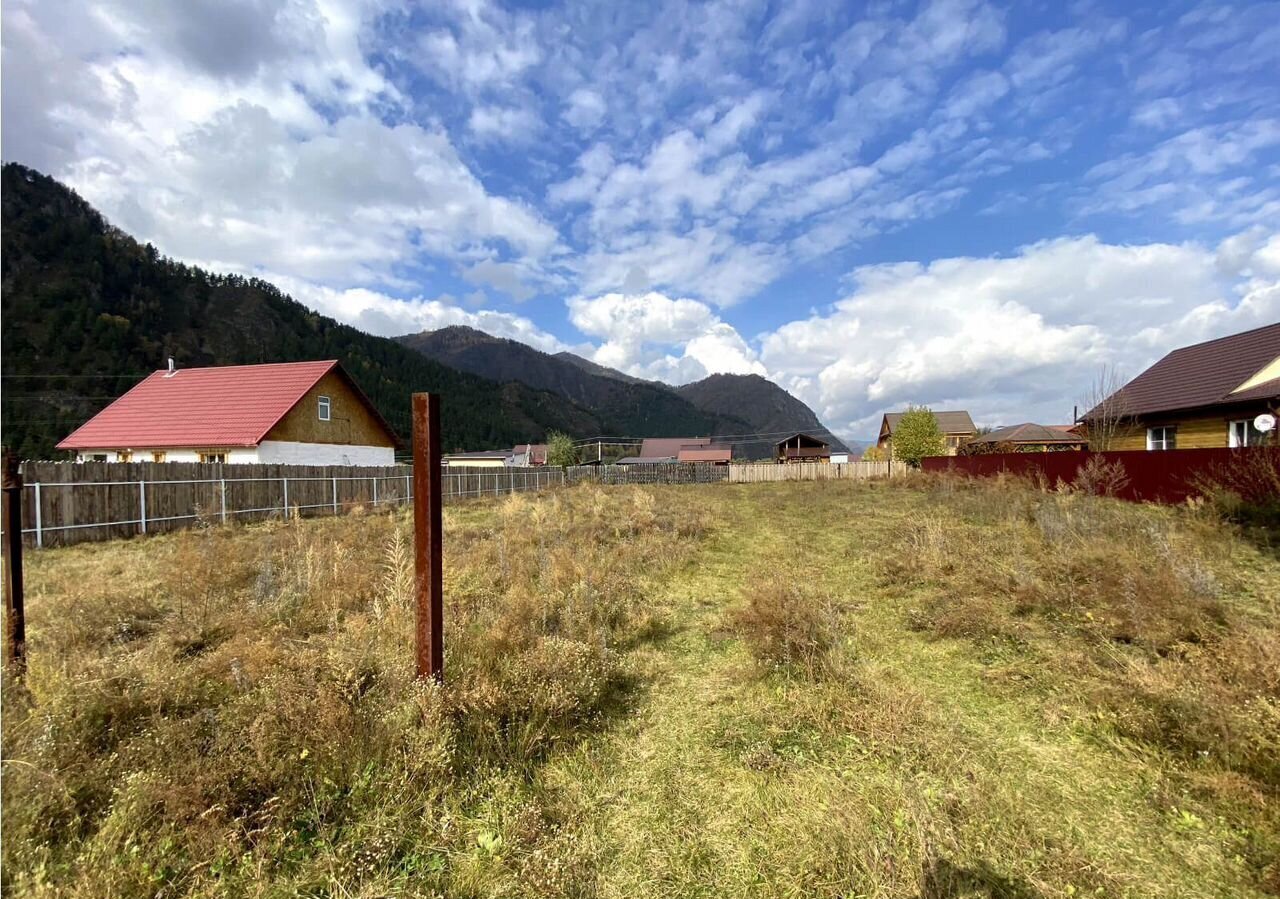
x,y
658,449
1026,438
481,459
1201,396
304,413
842,458
713,455
529,454
956,427
802,448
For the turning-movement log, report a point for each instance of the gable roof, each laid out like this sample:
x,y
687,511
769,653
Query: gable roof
x,y
814,441
227,405
1206,374
1030,433
957,422
669,447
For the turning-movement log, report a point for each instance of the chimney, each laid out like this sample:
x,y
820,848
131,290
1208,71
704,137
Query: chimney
x,y
172,369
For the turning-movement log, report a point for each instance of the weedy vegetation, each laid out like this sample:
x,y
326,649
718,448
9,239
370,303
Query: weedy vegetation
x,y
920,688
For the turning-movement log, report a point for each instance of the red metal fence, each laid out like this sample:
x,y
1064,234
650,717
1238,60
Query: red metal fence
x,y
1167,476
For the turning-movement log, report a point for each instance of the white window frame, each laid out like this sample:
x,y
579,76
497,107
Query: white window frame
x,y
1252,436
324,407
1163,443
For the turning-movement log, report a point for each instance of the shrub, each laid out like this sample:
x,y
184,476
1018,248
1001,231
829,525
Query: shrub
x,y
1246,489
561,450
786,626
873,454
1098,477
917,436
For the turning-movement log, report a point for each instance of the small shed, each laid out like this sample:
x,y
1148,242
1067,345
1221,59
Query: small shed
x,y
801,447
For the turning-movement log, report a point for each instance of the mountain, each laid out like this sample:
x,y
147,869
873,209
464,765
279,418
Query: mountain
x,y
768,408
739,405
628,406
604,371
88,311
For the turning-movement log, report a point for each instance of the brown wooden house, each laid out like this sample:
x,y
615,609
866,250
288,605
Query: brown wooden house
x,y
802,448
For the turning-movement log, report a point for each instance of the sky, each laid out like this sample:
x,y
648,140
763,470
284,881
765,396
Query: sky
x,y
957,203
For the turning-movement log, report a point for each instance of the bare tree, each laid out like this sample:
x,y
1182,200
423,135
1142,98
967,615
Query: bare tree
x,y
1107,415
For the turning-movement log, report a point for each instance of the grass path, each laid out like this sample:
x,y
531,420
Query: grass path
x,y
912,776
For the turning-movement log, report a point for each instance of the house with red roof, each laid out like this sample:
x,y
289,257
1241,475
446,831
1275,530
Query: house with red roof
x,y
297,413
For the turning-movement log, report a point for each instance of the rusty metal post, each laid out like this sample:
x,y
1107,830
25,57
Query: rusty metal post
x,y
427,545
15,615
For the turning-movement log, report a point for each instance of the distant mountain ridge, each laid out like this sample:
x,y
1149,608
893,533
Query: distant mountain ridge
x,y
741,406
628,407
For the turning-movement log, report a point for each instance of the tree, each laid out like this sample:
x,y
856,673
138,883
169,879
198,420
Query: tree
x,y
873,454
561,450
917,436
1108,415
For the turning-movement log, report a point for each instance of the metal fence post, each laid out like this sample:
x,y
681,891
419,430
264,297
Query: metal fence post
x,y
427,543
335,495
223,483
375,491
285,482
408,492
39,525
142,505
15,614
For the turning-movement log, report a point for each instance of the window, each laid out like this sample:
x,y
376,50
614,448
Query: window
x,y
953,442
1243,433
159,456
213,457
124,456
1162,438
324,408
96,457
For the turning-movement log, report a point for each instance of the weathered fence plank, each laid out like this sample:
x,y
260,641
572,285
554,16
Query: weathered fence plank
x,y
813,471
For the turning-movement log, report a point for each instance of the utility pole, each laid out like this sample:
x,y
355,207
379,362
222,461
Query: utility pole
x,y
427,544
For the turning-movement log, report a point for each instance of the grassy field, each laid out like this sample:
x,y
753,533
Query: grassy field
x,y
919,689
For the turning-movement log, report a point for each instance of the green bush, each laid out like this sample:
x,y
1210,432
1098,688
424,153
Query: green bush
x,y
917,436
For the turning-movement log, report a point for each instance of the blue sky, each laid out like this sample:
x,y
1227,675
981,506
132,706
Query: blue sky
x,y
966,204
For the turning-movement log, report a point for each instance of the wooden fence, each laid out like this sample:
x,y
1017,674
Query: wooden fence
x,y
650,473
813,471
74,502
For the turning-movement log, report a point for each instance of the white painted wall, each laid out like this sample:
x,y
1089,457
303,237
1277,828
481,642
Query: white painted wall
x,y
276,452
283,452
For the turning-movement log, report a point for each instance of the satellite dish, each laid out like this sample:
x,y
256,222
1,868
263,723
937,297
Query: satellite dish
x,y
1264,422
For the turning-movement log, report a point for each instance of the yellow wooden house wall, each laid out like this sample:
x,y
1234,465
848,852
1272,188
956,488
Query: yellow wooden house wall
x,y
350,420
1200,431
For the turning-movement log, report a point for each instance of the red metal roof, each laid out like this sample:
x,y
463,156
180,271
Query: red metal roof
x,y
230,405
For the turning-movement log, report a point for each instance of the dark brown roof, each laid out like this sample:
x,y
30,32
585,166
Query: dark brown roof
x,y
813,441
1205,374
1029,433
948,422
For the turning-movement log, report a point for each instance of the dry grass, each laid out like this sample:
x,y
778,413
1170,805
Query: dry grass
x,y
234,707
928,688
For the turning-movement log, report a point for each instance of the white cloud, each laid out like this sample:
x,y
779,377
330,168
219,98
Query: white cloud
x,y
654,336
388,316
507,124
585,109
276,155
1017,337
